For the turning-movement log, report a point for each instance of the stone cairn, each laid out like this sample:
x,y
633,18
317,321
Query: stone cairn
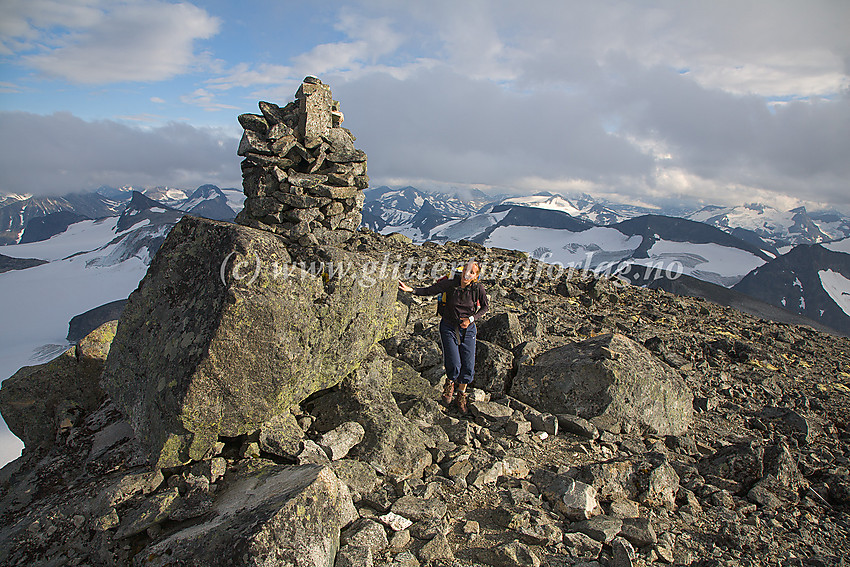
x,y
302,176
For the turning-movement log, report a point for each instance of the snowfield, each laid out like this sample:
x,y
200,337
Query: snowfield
x,y
590,248
39,302
838,288
466,228
82,236
838,246
709,262
235,198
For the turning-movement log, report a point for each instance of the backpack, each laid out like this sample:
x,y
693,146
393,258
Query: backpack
x,y
443,297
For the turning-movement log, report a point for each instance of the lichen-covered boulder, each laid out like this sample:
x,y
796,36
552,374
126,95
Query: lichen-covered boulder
x,y
229,328
609,377
32,398
265,514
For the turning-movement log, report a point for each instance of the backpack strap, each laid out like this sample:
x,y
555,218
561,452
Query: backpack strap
x,y
443,298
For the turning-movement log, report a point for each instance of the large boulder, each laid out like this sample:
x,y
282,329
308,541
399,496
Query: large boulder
x,y
229,328
493,367
609,377
392,444
37,398
265,514
503,329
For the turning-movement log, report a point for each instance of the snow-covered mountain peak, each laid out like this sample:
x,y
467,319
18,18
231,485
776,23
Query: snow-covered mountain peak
x,y
759,208
12,197
168,195
545,201
779,228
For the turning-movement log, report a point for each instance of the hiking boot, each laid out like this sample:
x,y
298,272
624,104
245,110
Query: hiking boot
x,y
448,393
460,399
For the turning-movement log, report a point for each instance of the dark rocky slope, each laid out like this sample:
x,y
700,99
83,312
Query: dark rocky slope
x,y
7,263
372,471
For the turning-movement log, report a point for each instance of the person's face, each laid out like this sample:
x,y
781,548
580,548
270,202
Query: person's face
x,y
470,272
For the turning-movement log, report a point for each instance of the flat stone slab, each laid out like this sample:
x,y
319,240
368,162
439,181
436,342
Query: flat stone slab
x,y
491,411
265,514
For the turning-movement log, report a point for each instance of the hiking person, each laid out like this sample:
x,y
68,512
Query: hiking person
x,y
463,301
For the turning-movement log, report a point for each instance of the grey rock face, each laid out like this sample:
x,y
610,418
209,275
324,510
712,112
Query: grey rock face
x,y
582,545
662,486
638,531
516,553
609,376
418,509
491,411
200,354
742,463
624,553
281,435
359,476
577,426
365,533
576,500
600,528
503,330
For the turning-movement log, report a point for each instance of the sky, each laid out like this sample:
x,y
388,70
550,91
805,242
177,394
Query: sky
x,y
650,102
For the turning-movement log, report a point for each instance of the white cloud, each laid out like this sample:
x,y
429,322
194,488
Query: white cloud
x,y
763,47
10,87
206,100
25,23
245,75
114,42
368,41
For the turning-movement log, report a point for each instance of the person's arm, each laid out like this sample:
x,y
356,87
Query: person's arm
x,y
436,288
484,304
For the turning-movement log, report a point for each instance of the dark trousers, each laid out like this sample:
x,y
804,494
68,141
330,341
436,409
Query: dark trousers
x,y
458,351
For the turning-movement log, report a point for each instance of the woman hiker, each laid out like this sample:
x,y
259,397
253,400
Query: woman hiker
x,y
465,302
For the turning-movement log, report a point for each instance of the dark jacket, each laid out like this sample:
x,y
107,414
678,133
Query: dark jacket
x,y
460,301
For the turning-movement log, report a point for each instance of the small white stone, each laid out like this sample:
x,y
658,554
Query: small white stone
x,y
395,522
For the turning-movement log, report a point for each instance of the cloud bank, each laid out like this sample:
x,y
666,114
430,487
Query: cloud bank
x,y
60,153
718,102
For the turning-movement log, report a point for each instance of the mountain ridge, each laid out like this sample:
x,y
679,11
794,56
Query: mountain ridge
x,y
757,411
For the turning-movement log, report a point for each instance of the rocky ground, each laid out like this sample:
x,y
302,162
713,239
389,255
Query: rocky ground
x,y
760,476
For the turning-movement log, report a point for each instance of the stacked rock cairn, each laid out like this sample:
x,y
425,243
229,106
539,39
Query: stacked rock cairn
x,y
302,176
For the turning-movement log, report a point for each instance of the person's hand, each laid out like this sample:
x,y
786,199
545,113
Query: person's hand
x,y
404,287
464,323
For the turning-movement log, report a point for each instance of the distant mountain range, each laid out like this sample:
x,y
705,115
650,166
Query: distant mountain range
x,y
780,228
32,219
16,213
79,256
754,252
812,280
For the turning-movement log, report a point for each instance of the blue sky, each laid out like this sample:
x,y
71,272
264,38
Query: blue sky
x,y
722,102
